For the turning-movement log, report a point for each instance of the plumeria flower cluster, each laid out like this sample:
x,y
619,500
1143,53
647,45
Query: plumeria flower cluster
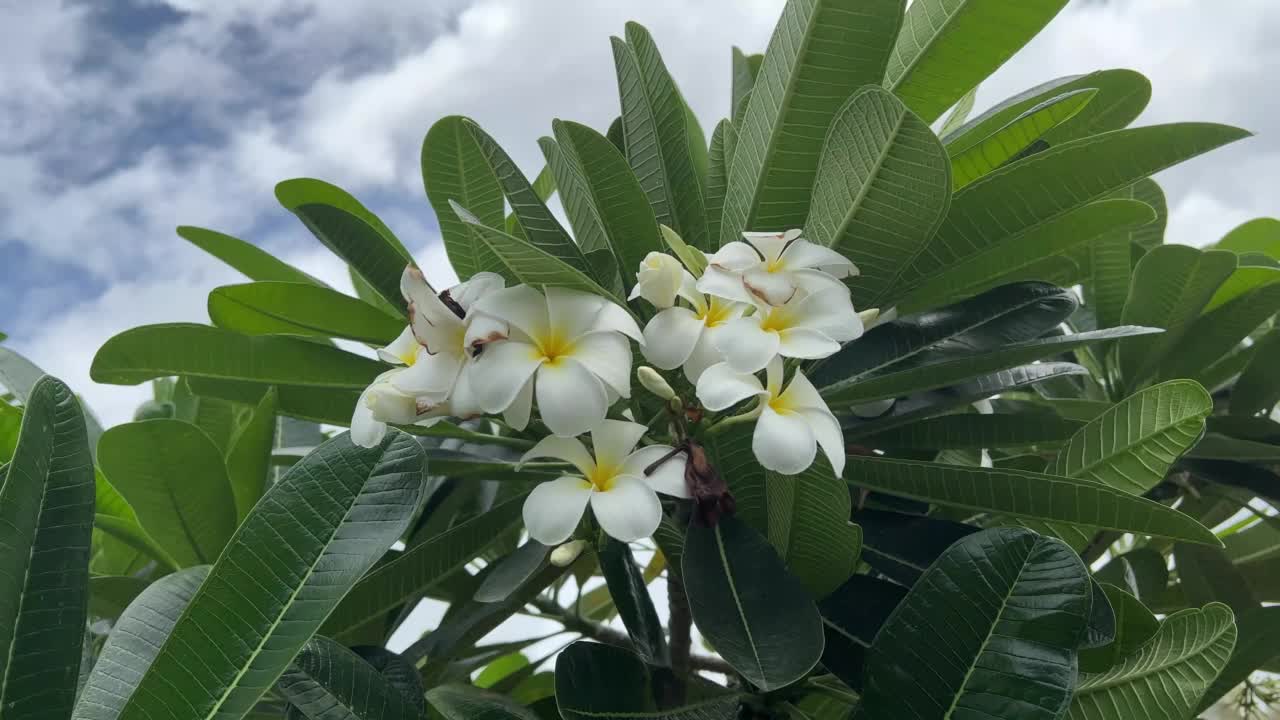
x,y
481,347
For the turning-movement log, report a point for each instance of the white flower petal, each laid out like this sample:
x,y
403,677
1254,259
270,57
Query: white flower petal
x,y
783,442
669,338
745,346
365,430
658,279
554,509
570,450
517,414
689,291
723,283
615,318
667,478
805,344
613,441
477,286
826,430
704,355
629,510
608,357
813,281
484,329
829,311
735,256
400,350
433,375
521,306
501,372
802,395
771,244
571,400
721,387
463,401
572,313
803,254
775,288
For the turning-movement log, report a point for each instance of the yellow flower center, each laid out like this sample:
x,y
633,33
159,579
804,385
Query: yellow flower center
x,y
410,356
716,313
777,319
603,477
776,265
553,347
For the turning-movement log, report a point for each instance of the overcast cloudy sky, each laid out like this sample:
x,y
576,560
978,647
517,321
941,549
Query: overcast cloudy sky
x,y
120,120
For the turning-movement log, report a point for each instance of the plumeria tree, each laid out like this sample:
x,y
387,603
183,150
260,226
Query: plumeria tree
x,y
850,411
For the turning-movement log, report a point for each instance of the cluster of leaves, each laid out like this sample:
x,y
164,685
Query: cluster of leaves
x,y
222,558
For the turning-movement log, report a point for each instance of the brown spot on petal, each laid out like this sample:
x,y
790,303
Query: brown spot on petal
x,y
452,304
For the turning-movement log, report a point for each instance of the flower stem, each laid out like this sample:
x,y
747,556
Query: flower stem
x,y
747,416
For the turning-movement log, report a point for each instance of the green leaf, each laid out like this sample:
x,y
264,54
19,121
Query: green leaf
x,y
109,595
288,308
1111,254
1012,256
1216,333
723,140
249,459
881,190
1222,447
1167,677
959,113
46,523
134,642
1005,144
1135,625
321,405
251,260
657,136
326,680
350,230
536,223
176,481
19,376
603,198
1142,571
1014,199
630,595
1171,284
946,368
851,617
528,264
745,70
1258,390
690,256
464,702
369,295
1260,235
947,47
1207,575
973,432
1257,640
756,614
198,351
512,571
306,542
1035,496
1245,278
418,568
1122,95
820,53
996,600
901,546
809,527
595,681
454,170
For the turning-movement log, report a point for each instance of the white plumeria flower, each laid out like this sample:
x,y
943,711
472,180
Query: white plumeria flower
x,y
623,498
792,423
809,327
568,348
382,403
659,280
771,267
684,337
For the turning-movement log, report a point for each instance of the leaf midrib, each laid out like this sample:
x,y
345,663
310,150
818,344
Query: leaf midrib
x,y
922,50
737,602
279,316
26,577
1182,658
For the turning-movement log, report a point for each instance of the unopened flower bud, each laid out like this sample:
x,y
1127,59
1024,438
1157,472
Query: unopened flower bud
x,y
564,555
654,383
868,317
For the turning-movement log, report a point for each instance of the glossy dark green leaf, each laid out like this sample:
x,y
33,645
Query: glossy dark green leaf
x,y
630,595
723,140
19,376
1257,643
1100,629
175,479
851,617
947,47
1029,495
135,639
251,260
657,136
882,188
1166,678
1141,571
1219,331
756,614
1214,446
290,308
454,170
745,69
1260,235
1134,626
1010,141
1206,575
809,526
46,524
326,680
328,405
1257,391
996,600
464,702
350,230
512,571
820,53
1017,198
1111,254
418,568
109,595
198,351
967,431
595,681
301,549
249,459
1122,95
902,546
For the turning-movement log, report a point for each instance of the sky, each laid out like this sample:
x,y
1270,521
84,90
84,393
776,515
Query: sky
x,y
120,120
